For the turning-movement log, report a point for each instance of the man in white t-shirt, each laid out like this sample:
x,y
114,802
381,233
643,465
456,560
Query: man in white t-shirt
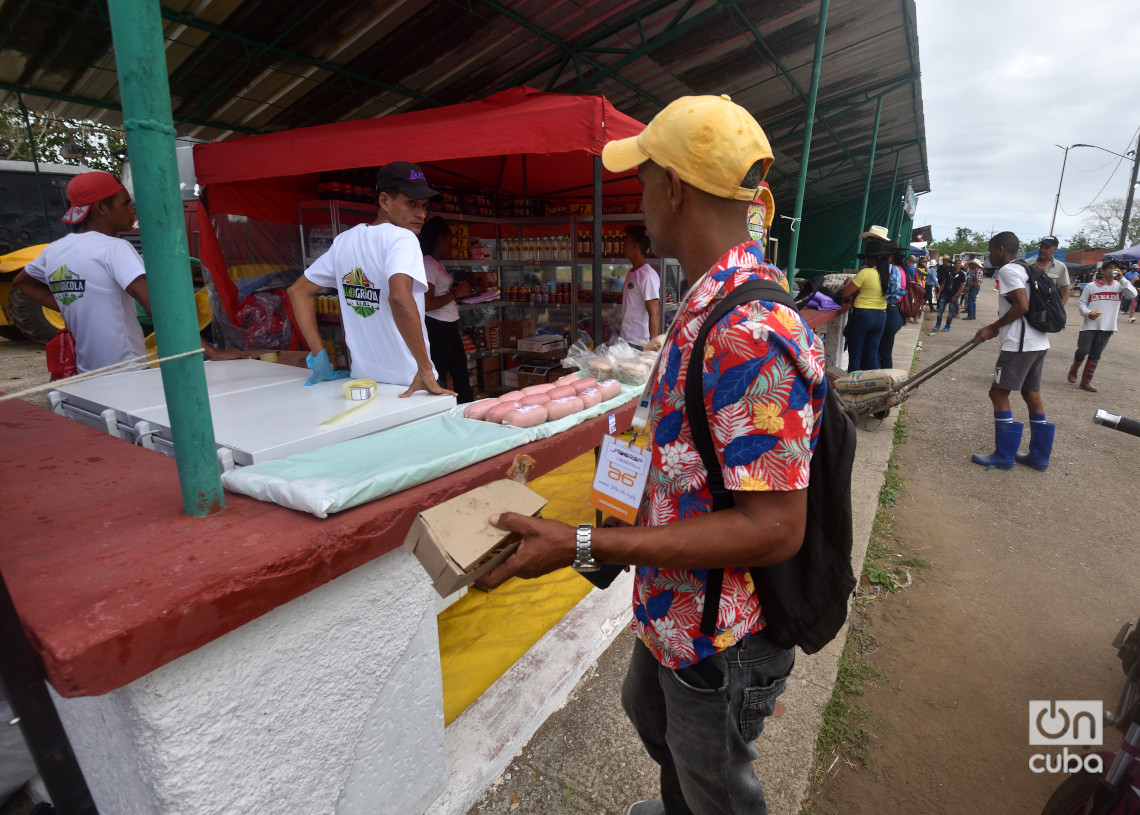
x,y
1019,365
641,292
94,278
378,272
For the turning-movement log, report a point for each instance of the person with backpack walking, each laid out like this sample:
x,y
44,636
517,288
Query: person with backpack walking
x,y
1019,364
1100,306
700,685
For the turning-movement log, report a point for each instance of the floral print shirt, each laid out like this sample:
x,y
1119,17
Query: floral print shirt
x,y
764,385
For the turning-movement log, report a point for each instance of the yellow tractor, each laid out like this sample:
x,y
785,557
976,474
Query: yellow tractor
x,y
20,316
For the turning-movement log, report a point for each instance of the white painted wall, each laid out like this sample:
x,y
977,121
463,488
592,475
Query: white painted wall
x,y
331,704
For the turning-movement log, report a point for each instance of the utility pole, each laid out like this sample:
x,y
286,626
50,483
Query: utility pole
x,y
1131,195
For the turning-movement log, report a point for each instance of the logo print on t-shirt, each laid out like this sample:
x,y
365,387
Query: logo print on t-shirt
x,y
360,294
66,285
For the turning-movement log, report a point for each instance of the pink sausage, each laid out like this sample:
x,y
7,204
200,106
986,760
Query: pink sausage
x,y
513,396
561,408
559,393
526,416
534,399
582,384
495,415
531,390
590,397
478,410
610,388
569,379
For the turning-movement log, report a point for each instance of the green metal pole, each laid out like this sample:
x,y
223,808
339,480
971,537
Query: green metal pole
x,y
871,167
813,94
891,206
36,164
136,30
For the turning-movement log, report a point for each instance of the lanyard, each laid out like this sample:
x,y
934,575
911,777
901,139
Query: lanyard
x,y
641,412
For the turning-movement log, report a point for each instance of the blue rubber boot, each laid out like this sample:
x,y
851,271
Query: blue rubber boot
x,y
1040,446
1007,438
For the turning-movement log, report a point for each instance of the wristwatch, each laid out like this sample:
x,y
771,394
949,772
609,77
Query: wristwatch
x,y
583,559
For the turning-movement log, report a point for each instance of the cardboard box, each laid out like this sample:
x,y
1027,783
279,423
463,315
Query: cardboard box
x,y
541,342
454,541
539,371
514,330
511,378
492,380
487,364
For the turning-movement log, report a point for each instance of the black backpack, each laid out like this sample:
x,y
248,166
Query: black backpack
x,y
1046,312
804,599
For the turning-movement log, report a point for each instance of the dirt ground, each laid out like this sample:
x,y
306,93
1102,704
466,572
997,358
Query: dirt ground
x,y
1032,575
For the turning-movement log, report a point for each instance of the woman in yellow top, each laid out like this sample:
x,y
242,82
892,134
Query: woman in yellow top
x,y
868,315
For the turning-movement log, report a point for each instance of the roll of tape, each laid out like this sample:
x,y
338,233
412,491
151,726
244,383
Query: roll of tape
x,y
359,390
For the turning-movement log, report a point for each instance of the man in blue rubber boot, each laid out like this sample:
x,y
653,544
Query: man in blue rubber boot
x,y
1019,364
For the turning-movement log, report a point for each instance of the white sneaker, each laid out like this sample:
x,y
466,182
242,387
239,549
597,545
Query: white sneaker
x,y
1131,319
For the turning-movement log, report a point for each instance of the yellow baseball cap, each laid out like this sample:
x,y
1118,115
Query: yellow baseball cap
x,y
710,141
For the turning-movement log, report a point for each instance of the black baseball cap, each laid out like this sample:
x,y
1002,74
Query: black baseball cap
x,y
1049,240
405,177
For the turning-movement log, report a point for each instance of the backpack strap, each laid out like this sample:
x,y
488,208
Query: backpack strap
x,y
699,424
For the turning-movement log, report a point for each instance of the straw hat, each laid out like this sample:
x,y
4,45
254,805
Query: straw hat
x,y
879,232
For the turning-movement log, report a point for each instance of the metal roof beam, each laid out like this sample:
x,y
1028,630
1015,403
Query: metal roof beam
x,y
610,30
872,95
760,44
674,30
352,75
562,44
832,169
98,103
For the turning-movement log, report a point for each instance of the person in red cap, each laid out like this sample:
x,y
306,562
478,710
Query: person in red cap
x,y
93,277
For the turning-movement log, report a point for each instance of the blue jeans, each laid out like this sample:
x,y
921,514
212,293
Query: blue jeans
x,y
943,303
894,322
972,302
864,331
698,723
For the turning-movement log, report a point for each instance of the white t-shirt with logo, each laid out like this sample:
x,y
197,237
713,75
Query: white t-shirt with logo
x,y
641,284
1011,277
88,273
359,265
439,282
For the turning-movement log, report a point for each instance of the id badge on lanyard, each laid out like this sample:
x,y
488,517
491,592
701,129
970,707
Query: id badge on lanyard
x,y
619,482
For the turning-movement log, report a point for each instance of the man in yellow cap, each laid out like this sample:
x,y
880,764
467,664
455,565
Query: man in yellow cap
x,y
704,674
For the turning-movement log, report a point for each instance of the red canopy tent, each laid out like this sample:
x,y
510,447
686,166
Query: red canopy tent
x,y
520,142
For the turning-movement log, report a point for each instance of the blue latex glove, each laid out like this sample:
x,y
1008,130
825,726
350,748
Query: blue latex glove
x,y
322,369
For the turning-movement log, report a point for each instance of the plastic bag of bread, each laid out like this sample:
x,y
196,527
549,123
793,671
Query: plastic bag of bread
x,y
627,364
654,344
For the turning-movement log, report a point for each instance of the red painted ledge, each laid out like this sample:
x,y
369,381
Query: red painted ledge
x,y
112,580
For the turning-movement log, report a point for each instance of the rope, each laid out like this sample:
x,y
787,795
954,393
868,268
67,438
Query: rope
x,y
793,220
116,368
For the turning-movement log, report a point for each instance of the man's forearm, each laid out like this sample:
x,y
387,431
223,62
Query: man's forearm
x,y
305,312
408,323
716,540
37,291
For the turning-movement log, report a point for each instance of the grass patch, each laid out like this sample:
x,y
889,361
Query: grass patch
x,y
847,730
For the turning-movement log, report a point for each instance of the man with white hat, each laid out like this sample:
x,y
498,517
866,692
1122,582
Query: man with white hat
x,y
704,675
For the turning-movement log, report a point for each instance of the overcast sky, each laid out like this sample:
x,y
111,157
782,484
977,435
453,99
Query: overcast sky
x,y
1003,81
